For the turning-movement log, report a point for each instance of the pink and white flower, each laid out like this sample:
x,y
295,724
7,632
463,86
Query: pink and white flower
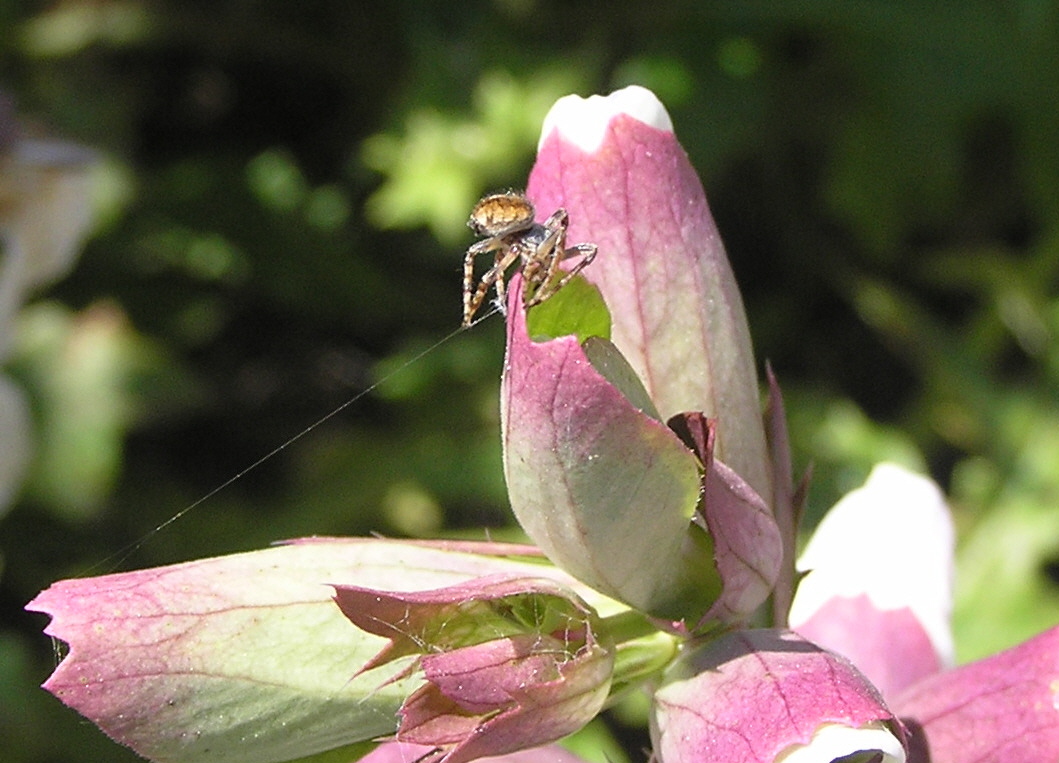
x,y
596,475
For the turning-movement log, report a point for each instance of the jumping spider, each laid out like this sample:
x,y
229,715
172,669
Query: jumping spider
x,y
506,220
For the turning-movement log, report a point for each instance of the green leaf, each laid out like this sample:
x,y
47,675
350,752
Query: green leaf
x,y
612,366
577,308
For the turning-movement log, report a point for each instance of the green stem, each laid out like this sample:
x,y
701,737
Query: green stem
x,y
627,626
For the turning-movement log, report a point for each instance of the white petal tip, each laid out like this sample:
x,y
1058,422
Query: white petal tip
x,y
583,121
832,742
902,517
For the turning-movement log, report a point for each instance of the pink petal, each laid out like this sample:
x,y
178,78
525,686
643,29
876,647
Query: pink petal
x,y
605,490
506,695
752,695
440,619
889,645
483,677
787,499
747,544
997,710
244,657
748,549
677,315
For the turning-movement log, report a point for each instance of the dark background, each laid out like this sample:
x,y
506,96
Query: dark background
x,y
281,195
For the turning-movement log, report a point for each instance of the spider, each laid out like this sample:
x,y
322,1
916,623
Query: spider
x,y
506,220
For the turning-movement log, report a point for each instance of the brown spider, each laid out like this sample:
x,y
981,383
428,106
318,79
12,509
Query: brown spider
x,y
506,220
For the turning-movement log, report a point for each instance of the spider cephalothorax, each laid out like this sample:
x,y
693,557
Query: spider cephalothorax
x,y
506,223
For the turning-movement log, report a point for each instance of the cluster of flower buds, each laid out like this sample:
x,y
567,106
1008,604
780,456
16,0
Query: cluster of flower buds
x,y
638,462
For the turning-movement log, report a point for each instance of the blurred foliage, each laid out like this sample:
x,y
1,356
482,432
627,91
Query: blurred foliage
x,y
281,206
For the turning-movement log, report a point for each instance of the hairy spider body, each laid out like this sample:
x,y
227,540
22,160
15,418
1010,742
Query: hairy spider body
x,y
506,221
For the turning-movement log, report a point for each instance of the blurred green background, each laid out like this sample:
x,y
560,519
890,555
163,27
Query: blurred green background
x,y
281,197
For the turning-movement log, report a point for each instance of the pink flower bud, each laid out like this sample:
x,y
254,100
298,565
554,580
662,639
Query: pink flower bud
x,y
878,583
595,475
617,168
767,696
246,657
510,663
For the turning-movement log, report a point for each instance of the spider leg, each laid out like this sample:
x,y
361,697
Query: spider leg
x,y
549,262
540,264
538,249
548,288
588,251
471,299
486,245
559,219
501,287
557,224
505,256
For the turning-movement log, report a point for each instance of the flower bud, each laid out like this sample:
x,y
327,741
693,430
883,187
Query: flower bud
x,y
767,696
595,475
617,168
878,579
246,657
510,663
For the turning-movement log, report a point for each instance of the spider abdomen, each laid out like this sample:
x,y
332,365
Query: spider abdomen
x,y
500,214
